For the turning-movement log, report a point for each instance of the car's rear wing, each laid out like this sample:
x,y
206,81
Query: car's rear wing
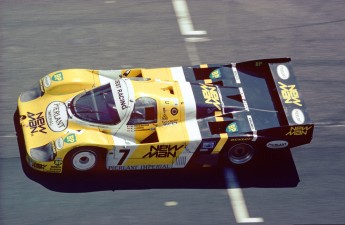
x,y
283,88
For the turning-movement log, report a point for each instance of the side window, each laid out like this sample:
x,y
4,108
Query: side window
x,y
144,112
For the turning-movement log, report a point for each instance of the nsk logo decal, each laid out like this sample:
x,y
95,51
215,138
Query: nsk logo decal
x,y
211,95
36,122
290,94
300,130
163,151
215,74
277,144
71,138
232,128
57,117
57,77
120,95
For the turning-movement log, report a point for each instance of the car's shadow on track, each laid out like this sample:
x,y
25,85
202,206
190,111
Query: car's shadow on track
x,y
274,169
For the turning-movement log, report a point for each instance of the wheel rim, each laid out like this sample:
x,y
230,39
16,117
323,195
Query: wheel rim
x,y
241,153
83,161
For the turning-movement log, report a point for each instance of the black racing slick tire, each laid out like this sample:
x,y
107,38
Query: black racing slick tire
x,y
85,159
240,154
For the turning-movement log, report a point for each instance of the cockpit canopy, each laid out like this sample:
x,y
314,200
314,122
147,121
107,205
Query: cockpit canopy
x,y
96,106
99,106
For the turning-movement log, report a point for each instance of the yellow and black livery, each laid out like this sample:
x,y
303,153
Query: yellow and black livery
x,y
138,119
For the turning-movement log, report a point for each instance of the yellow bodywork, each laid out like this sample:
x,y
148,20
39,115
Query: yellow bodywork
x,y
61,86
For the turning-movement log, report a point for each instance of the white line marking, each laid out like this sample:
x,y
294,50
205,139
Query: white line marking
x,y
171,203
196,39
236,198
184,20
8,136
329,124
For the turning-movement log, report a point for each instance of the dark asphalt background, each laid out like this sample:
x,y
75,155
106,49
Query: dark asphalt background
x,y
306,186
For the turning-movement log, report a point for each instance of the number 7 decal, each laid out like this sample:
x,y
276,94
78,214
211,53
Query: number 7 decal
x,y
124,156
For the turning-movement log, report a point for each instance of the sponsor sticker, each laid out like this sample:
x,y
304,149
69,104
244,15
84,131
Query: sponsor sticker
x,y
232,128
252,127
123,167
38,165
251,122
37,123
290,94
57,76
237,77
155,167
71,138
163,151
298,130
57,118
169,122
277,144
283,72
245,104
59,143
208,144
215,74
298,116
58,162
47,81
241,139
211,95
121,96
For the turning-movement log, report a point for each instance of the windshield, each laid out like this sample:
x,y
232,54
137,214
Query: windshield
x,y
96,106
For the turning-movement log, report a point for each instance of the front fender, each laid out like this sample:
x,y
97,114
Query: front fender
x,y
68,81
89,138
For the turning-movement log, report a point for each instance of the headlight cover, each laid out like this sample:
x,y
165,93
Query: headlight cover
x,y
43,153
32,94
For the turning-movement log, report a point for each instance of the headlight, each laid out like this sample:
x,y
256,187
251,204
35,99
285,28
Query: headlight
x,y
31,94
43,153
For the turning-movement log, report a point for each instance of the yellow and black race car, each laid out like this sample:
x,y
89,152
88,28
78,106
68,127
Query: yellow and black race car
x,y
139,119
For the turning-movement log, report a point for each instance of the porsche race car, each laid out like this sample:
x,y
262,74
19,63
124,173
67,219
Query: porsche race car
x,y
164,118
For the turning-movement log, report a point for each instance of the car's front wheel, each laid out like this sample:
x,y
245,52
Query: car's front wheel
x,y
85,159
240,154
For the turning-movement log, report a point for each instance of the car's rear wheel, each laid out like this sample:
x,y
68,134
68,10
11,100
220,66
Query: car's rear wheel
x,y
85,159
240,154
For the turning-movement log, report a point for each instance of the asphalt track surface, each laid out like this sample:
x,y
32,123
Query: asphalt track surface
x,y
304,186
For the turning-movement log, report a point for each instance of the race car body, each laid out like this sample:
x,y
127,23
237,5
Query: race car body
x,y
137,119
